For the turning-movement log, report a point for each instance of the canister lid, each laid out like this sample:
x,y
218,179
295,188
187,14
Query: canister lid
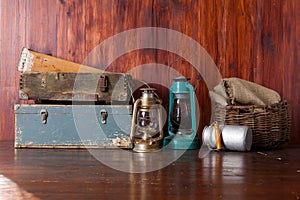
x,y
181,79
147,92
180,85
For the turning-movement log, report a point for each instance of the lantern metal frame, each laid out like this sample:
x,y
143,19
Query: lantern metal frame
x,y
146,102
178,140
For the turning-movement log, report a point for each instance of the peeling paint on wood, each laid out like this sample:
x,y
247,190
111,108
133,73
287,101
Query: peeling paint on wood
x,y
32,61
72,86
62,130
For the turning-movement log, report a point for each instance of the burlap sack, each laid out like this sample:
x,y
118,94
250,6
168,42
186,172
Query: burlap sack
x,y
216,98
248,93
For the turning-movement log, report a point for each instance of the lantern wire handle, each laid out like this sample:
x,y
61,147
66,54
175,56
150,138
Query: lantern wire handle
x,y
150,87
131,92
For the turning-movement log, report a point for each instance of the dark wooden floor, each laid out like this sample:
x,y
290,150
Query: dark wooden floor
x,y
75,174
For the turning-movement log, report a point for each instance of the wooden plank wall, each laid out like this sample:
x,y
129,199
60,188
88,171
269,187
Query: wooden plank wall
x,y
255,40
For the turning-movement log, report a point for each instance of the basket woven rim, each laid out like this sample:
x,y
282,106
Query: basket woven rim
x,y
256,106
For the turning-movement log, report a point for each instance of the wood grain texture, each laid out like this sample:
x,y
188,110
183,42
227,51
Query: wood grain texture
x,y
253,40
76,174
71,29
291,60
11,41
40,31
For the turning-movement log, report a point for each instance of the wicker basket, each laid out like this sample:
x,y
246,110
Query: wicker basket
x,y
270,124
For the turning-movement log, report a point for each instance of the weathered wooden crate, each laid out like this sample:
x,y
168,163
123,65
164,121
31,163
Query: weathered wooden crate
x,y
72,126
59,86
32,61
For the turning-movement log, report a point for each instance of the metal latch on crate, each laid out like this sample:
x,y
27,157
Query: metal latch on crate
x,y
103,114
44,114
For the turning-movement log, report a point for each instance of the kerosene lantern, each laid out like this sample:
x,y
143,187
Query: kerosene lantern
x,y
146,128
181,116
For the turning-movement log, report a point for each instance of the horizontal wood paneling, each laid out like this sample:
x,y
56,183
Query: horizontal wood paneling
x,y
254,40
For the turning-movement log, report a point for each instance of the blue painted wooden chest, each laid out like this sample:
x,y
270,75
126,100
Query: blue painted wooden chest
x,y
72,126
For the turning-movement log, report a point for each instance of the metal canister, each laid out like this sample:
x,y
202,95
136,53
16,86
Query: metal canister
x,y
234,137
